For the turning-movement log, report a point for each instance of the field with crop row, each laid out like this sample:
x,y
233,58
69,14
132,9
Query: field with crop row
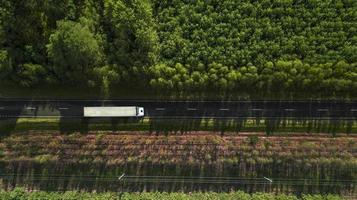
x,y
189,149
298,163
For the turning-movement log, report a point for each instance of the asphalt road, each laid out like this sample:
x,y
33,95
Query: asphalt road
x,y
10,108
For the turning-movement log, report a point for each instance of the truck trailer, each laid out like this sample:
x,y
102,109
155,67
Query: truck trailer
x,y
121,111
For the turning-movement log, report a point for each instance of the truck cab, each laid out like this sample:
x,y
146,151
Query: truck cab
x,y
140,111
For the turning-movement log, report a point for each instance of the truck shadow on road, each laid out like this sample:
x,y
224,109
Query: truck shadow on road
x,y
85,125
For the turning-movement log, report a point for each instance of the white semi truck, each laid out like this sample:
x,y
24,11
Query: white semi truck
x,y
121,111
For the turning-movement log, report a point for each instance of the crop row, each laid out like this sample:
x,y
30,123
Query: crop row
x,y
200,149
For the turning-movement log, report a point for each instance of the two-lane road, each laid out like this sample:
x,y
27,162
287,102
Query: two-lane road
x,y
10,108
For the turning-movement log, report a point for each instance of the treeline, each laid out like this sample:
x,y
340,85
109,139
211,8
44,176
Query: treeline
x,y
75,42
21,194
264,47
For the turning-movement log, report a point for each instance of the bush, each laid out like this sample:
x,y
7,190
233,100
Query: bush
x,y
253,140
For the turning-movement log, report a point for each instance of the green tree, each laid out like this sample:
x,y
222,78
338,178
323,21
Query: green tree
x,y
107,76
5,65
23,28
75,51
31,74
132,40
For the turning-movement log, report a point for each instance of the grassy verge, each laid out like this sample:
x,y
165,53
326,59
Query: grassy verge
x,y
171,126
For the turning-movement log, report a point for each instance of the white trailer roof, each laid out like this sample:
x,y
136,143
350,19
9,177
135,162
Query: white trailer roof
x,y
124,111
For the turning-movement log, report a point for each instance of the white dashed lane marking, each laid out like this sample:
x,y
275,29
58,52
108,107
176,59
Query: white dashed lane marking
x,y
257,109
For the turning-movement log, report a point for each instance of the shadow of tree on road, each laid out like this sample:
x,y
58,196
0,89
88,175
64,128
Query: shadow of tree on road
x,y
9,119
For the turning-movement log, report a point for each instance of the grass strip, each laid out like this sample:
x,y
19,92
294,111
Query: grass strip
x,y
22,194
168,126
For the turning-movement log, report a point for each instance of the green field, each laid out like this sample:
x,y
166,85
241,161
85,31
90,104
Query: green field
x,y
20,194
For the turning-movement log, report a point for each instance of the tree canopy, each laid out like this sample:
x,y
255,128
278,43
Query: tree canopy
x,y
280,46
74,51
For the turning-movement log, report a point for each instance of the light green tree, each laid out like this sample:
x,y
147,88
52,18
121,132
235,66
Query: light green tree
x,y
75,52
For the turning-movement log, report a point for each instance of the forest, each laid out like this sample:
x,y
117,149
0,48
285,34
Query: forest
x,y
266,47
